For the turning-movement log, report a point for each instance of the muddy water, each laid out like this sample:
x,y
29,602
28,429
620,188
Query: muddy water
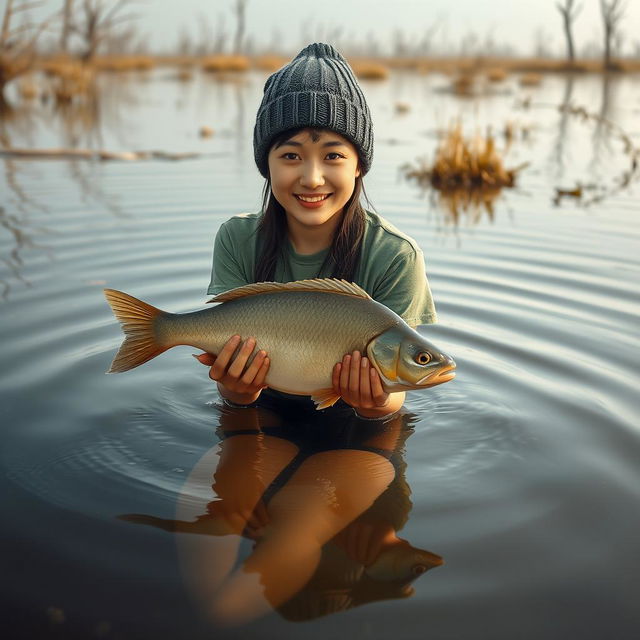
x,y
523,473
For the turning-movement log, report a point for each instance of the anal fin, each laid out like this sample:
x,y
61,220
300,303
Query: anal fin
x,y
325,398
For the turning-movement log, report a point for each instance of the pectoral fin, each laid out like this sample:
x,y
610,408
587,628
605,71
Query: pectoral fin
x,y
325,398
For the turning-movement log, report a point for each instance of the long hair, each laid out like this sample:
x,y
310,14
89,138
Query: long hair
x,y
344,252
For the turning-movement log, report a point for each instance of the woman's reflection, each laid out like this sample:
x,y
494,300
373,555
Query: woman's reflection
x,y
321,495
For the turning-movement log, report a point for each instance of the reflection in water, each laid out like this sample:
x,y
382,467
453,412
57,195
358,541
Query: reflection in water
x,y
321,497
602,129
22,235
464,205
558,147
80,123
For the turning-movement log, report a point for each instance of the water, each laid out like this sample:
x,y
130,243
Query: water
x,y
523,472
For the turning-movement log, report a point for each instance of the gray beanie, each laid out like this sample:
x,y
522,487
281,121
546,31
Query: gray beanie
x,y
316,89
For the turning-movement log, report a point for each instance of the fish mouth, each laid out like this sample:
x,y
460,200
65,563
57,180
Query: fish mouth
x,y
438,377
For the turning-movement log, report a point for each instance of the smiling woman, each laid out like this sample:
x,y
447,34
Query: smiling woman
x,y
313,143
308,175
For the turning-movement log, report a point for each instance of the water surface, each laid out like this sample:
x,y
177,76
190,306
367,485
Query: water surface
x,y
523,472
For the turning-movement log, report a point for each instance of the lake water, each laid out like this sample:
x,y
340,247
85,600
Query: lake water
x,y
523,473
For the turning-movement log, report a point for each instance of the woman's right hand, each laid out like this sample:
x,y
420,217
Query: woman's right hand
x,y
240,378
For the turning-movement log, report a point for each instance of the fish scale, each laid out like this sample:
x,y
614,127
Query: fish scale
x,y
304,333
304,326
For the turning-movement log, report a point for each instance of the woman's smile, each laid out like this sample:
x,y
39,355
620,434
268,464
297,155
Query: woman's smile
x,y
312,201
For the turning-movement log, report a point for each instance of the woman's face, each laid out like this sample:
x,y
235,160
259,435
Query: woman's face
x,y
313,175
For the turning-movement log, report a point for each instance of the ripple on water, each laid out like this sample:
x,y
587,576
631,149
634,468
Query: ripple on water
x,y
144,455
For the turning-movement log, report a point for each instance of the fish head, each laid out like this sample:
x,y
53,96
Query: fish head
x,y
403,563
406,360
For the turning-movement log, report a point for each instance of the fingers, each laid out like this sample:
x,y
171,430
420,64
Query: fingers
x,y
259,380
254,366
379,396
240,361
344,373
365,383
335,376
358,382
221,363
354,373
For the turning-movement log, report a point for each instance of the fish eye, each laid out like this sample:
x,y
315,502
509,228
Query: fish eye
x,y
423,357
418,569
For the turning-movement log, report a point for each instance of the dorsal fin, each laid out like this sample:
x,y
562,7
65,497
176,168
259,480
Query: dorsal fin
x,y
327,285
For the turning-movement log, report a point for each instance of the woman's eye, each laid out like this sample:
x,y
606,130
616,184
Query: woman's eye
x,y
337,156
289,155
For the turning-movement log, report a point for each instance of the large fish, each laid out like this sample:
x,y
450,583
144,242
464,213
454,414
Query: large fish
x,y
305,327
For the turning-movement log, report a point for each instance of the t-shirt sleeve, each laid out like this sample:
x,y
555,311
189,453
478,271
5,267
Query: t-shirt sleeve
x,y
227,272
404,289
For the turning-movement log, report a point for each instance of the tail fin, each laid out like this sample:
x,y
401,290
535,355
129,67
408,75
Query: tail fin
x,y
137,318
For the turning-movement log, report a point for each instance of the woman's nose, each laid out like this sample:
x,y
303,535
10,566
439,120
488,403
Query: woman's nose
x,y
312,175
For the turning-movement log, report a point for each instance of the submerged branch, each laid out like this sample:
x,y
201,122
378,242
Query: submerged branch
x,y
89,154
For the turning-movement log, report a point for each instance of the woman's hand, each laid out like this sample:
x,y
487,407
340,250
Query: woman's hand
x,y
240,378
361,387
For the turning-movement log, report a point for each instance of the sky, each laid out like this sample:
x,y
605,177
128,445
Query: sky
x,y
523,25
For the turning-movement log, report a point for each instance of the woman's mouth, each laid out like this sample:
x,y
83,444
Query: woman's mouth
x,y
311,201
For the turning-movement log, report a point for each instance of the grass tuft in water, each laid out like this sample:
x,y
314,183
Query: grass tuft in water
x,y
464,163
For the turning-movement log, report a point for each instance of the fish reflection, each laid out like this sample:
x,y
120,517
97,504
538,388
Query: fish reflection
x,y
320,497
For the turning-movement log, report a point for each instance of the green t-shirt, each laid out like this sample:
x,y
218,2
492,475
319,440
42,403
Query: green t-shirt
x,y
391,268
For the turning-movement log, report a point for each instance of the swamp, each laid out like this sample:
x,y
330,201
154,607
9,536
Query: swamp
x,y
522,474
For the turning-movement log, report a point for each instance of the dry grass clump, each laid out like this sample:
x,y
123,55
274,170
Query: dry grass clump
x,y
70,81
123,63
463,84
467,174
530,80
462,163
27,88
370,70
225,63
270,62
496,74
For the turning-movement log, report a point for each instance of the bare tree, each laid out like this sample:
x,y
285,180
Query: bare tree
x,y
541,43
67,25
612,13
17,44
99,19
569,13
240,7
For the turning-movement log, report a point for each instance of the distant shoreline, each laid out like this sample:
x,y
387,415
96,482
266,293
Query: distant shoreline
x,y
366,67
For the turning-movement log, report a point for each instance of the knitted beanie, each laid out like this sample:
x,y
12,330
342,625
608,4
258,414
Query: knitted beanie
x,y
316,89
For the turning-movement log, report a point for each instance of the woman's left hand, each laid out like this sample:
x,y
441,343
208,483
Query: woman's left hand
x,y
359,383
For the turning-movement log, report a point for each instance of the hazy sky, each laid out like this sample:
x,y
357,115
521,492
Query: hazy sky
x,y
518,23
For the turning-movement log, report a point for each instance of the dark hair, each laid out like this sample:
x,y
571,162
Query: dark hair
x,y
344,252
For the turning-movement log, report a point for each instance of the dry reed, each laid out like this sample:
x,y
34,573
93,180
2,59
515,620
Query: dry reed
x,y
369,69
27,88
270,62
496,74
462,163
530,80
119,64
226,63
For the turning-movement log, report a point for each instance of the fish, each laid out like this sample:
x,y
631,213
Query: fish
x,y
403,563
305,327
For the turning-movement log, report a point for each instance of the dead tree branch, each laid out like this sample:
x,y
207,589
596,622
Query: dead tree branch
x,y
569,13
